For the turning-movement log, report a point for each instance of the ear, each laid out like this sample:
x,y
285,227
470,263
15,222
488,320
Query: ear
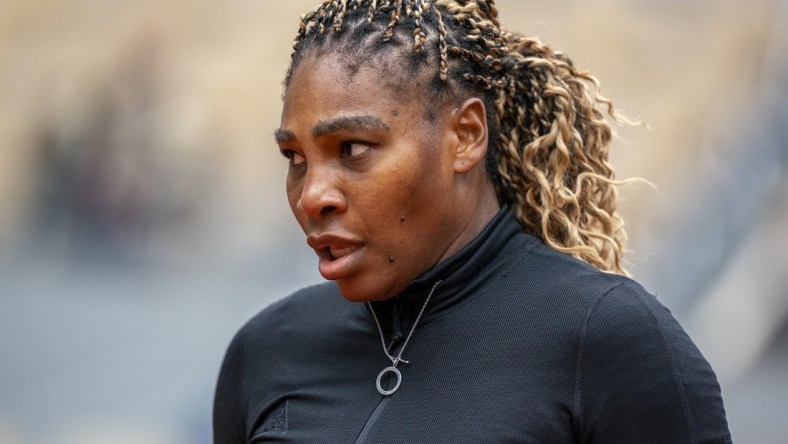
x,y
470,124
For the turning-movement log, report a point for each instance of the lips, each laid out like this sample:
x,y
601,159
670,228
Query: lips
x,y
339,255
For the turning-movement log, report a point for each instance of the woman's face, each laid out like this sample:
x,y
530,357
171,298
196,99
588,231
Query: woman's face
x,y
370,179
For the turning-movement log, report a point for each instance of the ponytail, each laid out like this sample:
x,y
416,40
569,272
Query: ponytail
x,y
554,142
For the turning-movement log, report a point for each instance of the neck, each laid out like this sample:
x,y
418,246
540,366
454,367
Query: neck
x,y
481,208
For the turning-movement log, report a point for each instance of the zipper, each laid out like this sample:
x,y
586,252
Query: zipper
x,y
373,418
397,334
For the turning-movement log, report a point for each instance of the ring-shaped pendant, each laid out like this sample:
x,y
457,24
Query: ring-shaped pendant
x,y
396,386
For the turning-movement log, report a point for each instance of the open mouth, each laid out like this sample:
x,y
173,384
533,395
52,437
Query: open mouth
x,y
339,256
339,261
334,253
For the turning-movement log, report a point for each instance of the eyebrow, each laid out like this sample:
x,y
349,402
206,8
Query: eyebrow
x,y
281,135
347,123
329,126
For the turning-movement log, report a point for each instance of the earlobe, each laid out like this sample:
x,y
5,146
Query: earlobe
x,y
470,122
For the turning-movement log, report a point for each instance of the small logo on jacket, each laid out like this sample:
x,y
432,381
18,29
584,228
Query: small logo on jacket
x,y
277,421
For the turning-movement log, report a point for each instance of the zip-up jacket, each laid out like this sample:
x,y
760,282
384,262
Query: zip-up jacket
x,y
518,344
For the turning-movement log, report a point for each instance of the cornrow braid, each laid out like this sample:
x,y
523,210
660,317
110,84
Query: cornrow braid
x,y
395,15
418,34
339,18
443,50
549,131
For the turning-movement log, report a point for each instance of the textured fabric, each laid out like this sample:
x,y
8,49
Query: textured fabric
x,y
519,344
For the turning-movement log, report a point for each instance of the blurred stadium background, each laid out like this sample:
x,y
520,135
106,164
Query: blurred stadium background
x,y
143,216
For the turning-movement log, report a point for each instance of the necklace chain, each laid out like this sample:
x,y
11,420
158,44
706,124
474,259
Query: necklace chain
x,y
398,359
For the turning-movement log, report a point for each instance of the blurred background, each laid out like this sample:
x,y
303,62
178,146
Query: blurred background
x,y
143,217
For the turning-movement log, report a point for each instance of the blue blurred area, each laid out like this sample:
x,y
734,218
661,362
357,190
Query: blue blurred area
x,y
143,217
95,344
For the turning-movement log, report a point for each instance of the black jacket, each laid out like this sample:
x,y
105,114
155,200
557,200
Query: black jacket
x,y
519,344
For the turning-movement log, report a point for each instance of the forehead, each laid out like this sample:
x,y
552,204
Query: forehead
x,y
331,82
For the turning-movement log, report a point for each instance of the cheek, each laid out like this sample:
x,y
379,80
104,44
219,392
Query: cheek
x,y
419,183
400,192
293,191
409,190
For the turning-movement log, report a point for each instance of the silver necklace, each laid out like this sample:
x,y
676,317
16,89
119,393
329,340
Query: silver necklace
x,y
396,360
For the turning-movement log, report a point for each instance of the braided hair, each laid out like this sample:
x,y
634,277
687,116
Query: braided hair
x,y
549,135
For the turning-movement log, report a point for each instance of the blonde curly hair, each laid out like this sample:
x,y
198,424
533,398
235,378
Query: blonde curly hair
x,y
550,130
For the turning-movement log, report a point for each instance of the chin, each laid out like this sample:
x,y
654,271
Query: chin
x,y
355,291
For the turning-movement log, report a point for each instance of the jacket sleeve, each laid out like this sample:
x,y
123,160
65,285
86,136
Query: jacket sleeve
x,y
229,424
641,378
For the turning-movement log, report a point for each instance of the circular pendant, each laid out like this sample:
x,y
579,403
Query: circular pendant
x,y
396,385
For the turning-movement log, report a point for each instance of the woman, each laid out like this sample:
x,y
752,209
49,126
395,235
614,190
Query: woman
x,y
453,180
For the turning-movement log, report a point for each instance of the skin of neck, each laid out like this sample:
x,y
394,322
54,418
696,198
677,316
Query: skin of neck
x,y
474,196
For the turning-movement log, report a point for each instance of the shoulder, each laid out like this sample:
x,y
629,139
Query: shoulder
x,y
627,320
307,308
257,347
640,374
545,276
295,325
607,302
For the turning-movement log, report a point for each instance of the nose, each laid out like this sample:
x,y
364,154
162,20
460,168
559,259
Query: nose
x,y
321,195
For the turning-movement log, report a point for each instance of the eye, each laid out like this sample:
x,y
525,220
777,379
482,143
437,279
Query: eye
x,y
294,158
350,149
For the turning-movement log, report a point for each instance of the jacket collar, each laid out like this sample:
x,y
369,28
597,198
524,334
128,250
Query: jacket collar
x,y
460,276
